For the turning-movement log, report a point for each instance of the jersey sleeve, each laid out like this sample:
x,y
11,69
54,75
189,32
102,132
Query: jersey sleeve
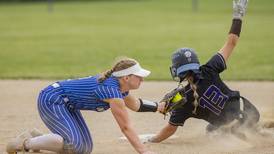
x,y
107,92
216,63
125,94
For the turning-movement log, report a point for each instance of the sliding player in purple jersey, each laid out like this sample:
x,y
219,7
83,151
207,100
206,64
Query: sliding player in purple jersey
x,y
208,97
60,103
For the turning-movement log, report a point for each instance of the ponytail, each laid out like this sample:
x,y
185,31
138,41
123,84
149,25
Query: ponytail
x,y
105,75
195,95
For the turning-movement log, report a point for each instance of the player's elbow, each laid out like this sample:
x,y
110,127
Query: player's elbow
x,y
124,128
233,40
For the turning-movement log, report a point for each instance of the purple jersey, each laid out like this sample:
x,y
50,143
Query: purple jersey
x,y
216,101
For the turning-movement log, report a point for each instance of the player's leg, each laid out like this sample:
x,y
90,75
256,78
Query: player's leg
x,y
250,114
211,128
67,137
62,121
87,140
51,142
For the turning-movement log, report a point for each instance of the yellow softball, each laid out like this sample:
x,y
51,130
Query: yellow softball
x,y
177,98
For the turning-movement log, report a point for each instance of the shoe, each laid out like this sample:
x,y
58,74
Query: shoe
x,y
17,144
34,133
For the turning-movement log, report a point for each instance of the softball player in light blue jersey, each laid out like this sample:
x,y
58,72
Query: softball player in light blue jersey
x,y
60,103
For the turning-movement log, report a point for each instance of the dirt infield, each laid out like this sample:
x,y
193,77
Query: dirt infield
x,y
18,113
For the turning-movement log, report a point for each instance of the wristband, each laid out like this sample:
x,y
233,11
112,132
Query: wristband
x,y
236,27
147,106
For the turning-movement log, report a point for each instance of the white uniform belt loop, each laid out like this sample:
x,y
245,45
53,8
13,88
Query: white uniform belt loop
x,y
55,85
66,99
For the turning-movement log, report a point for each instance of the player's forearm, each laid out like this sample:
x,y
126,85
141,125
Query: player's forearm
x,y
165,133
140,105
133,138
239,9
232,38
229,46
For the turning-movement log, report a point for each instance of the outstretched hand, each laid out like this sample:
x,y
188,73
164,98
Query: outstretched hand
x,y
146,138
239,8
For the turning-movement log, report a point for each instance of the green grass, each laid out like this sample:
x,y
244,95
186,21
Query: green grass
x,y
83,38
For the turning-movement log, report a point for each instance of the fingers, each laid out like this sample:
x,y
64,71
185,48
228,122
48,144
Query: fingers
x,y
145,138
239,8
161,107
234,3
243,3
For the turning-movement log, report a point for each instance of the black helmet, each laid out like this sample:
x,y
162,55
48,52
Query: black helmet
x,y
183,61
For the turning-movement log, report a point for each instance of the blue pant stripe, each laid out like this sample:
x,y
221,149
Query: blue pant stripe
x,y
50,116
52,120
85,131
60,120
75,138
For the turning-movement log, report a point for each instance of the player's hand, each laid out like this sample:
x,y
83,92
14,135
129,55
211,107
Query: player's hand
x,y
239,8
145,138
161,107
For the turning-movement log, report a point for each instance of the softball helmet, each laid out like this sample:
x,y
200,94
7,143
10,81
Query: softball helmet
x,y
183,61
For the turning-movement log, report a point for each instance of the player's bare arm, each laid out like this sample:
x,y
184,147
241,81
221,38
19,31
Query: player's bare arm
x,y
140,105
118,109
165,133
239,9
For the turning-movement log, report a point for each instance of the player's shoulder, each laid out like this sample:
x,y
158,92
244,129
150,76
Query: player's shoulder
x,y
217,57
215,65
111,82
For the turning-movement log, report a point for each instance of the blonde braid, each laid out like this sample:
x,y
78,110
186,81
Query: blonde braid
x,y
105,75
195,94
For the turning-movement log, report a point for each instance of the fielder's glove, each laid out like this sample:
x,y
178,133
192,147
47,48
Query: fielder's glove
x,y
239,8
174,99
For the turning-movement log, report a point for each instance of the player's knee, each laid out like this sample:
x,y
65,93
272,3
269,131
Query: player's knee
x,y
69,149
75,148
251,113
87,149
210,128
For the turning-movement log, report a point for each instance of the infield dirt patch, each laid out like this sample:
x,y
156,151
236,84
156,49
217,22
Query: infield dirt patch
x,y
18,113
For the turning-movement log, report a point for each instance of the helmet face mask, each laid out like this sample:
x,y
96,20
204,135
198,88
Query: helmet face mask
x,y
181,77
173,72
184,60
